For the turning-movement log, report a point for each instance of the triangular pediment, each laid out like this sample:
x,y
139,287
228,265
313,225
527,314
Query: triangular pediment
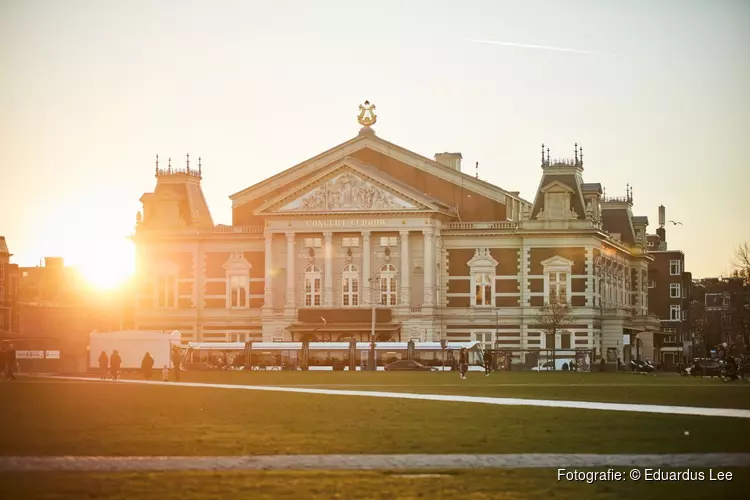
x,y
557,262
349,186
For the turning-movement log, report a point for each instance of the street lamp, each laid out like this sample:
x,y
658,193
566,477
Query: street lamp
x,y
371,361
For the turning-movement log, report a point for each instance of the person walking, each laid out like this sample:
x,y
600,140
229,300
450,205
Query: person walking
x,y
487,358
103,365
3,361
147,366
10,362
114,363
463,362
176,362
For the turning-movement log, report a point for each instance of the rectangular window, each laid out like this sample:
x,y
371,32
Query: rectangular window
x,y
485,338
313,242
675,267
350,242
726,318
238,289
2,273
674,290
684,315
312,291
483,289
558,287
388,241
166,295
674,313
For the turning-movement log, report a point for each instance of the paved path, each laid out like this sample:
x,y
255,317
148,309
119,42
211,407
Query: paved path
x,y
366,462
584,405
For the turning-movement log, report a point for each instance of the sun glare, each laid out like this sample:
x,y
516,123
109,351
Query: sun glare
x,y
106,266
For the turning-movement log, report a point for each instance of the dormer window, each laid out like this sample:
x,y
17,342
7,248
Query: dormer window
x,y
482,269
557,280
557,202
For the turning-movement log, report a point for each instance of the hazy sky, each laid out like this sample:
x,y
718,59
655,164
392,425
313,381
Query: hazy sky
x,y
90,91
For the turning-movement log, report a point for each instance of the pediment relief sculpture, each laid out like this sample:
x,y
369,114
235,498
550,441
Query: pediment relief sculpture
x,y
237,261
348,191
482,260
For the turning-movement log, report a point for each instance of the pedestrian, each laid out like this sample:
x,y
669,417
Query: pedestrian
x,y
176,362
10,362
165,373
487,362
103,365
463,362
114,363
3,361
147,366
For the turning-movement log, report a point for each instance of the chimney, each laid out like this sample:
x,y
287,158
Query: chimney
x,y
450,160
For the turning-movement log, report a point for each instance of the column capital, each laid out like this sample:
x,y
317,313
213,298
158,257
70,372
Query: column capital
x,y
290,236
327,235
404,233
366,234
428,232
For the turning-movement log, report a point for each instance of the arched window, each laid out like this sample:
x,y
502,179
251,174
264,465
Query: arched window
x,y
387,282
312,285
350,286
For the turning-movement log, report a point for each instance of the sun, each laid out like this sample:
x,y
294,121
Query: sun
x,y
105,265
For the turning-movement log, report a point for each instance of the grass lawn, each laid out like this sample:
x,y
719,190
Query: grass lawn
x,y
529,484
667,389
46,417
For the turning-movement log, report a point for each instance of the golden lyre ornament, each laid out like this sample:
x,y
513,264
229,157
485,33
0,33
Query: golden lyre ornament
x,y
367,116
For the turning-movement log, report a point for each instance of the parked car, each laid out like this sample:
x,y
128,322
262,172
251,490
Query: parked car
x,y
407,365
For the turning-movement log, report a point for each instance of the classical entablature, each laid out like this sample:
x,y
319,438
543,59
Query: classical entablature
x,y
350,186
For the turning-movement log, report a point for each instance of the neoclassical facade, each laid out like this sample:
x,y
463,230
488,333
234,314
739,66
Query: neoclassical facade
x,y
370,225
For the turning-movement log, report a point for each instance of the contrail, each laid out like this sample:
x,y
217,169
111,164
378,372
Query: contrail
x,y
528,46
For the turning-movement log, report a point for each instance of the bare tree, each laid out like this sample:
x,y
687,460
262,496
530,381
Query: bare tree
x,y
742,262
551,319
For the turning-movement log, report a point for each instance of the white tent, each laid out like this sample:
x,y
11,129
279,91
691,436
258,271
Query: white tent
x,y
132,345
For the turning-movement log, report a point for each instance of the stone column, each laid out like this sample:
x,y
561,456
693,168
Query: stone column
x,y
328,280
405,268
290,254
268,289
366,273
429,267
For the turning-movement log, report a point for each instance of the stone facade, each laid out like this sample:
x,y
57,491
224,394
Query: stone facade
x,y
369,225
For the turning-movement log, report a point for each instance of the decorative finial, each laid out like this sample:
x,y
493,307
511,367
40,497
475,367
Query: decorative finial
x,y
580,154
367,117
547,155
157,164
575,148
542,153
604,193
188,162
169,167
477,171
199,167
